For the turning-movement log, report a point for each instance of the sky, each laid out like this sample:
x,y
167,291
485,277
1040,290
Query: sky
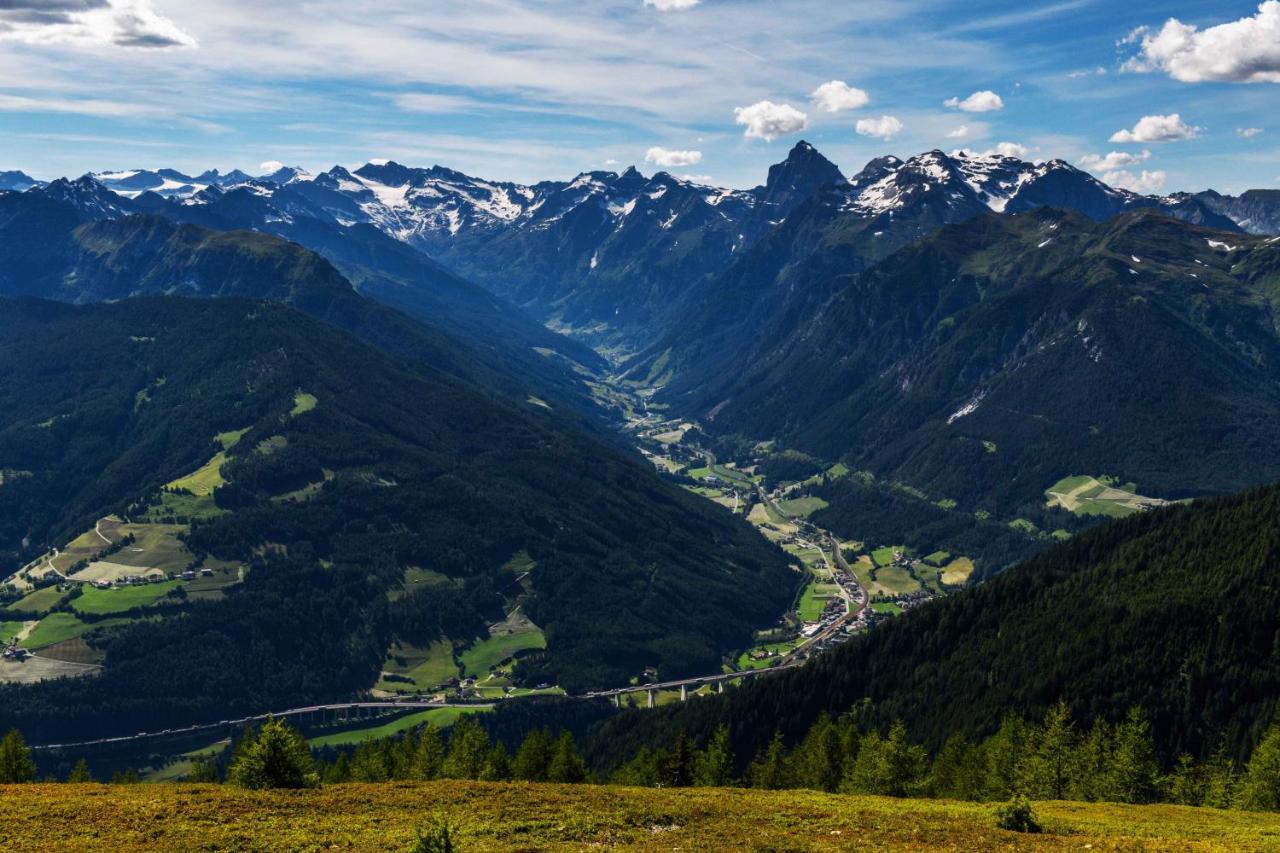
x,y
1154,96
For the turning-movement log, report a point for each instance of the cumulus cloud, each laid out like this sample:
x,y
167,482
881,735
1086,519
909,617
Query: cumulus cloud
x,y
767,120
272,166
1144,182
669,159
1114,161
672,5
961,132
1248,132
885,127
838,96
122,23
1243,51
985,101
1009,149
1170,128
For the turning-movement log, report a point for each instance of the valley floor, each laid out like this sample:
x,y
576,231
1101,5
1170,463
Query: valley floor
x,y
549,817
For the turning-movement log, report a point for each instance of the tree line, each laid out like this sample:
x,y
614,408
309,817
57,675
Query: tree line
x,y
1049,759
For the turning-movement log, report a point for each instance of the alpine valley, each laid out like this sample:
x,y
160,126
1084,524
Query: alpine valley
x,y
399,433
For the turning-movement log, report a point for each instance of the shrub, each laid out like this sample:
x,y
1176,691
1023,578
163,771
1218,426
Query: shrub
x,y
436,838
1017,816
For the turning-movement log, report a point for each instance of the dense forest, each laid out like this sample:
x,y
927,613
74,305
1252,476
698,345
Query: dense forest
x,y
988,360
1174,611
394,466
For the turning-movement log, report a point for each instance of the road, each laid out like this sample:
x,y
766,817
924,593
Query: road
x,y
347,707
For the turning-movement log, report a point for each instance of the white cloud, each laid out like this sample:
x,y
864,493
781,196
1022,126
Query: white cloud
x,y
1010,149
767,120
1144,182
704,180
961,132
669,159
1114,161
985,101
89,23
1170,128
838,96
272,166
672,5
1248,132
77,106
885,127
1243,51
1093,72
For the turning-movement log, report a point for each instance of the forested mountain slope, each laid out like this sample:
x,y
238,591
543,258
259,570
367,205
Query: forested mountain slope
x,y
1174,611
330,469
79,243
987,361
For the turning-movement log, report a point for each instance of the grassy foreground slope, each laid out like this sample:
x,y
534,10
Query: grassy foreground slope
x,y
549,817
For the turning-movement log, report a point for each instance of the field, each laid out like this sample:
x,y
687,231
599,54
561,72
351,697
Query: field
x,y
884,556
495,816
886,607
1084,495
801,507
99,602
957,572
424,667
485,655
86,546
304,402
438,717
41,601
156,546
36,669
54,629
814,600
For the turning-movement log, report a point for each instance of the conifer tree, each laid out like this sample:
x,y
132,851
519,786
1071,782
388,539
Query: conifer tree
x,y
1090,766
769,768
679,764
1133,774
428,755
497,764
80,773
16,763
533,758
468,749
1260,785
1047,770
715,765
566,766
276,756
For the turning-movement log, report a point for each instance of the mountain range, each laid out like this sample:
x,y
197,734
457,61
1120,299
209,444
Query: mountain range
x,y
615,258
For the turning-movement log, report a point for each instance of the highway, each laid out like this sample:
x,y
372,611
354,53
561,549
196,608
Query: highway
x,y
337,708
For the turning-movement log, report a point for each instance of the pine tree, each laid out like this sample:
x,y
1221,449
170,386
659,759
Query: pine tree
x,y
904,763
769,768
16,763
80,773
867,773
428,755
1220,780
369,763
533,758
1133,774
340,771
679,764
715,766
1091,762
468,749
1047,770
1006,753
204,770
642,771
566,766
1260,785
497,764
958,772
276,756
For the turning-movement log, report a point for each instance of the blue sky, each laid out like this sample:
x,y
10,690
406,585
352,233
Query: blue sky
x,y
532,89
